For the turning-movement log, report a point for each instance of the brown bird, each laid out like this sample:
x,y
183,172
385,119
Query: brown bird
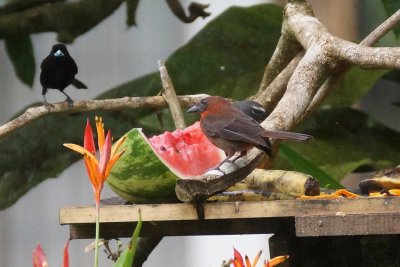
x,y
228,128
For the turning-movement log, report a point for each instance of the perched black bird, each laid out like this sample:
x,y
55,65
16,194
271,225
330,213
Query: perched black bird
x,y
252,109
58,71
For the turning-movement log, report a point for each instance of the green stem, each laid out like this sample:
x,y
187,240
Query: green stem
x,y
96,248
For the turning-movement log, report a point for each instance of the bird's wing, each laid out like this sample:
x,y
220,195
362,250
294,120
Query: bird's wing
x,y
235,127
72,64
46,63
244,129
211,125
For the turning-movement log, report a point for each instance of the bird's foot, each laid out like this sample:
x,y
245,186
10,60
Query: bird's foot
x,y
70,103
47,105
215,170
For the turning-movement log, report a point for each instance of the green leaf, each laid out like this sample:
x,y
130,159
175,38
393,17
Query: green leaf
x,y
127,257
227,58
355,84
344,140
131,6
301,163
20,52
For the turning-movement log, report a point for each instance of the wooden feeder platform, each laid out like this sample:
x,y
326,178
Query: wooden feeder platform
x,y
335,225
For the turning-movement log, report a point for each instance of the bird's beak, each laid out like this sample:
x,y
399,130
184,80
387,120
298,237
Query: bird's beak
x,y
195,108
58,53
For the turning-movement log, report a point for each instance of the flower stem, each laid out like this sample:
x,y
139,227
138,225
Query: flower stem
x,y
96,248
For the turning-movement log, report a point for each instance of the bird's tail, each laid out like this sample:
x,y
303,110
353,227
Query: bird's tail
x,y
286,135
78,84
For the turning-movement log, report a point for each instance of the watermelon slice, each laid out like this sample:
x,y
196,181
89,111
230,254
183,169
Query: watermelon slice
x,y
148,169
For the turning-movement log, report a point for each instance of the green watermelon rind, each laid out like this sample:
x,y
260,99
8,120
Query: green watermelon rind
x,y
140,175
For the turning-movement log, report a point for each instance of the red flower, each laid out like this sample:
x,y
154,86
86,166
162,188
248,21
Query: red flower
x,y
98,170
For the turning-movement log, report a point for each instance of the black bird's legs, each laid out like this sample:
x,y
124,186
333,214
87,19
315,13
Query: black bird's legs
x,y
69,100
44,91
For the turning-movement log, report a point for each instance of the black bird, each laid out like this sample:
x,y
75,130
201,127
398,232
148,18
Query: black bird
x,y
252,109
58,71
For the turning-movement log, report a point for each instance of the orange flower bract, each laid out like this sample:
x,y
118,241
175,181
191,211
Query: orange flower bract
x,y
98,170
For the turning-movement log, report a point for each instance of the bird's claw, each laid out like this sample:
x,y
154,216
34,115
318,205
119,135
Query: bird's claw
x,y
47,105
70,103
215,171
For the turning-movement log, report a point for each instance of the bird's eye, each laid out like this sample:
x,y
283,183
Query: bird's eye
x,y
203,101
257,110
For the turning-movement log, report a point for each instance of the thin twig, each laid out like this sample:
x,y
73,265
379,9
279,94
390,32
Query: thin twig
x,y
171,98
381,30
336,77
34,113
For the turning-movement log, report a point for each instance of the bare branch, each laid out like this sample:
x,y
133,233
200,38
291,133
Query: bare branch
x,y
335,78
35,113
171,98
68,19
275,90
285,51
300,92
367,57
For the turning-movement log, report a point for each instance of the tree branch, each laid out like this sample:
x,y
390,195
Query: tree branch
x,y
34,113
270,96
335,78
285,51
68,19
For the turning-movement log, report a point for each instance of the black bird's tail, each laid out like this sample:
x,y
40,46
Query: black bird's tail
x,y
78,84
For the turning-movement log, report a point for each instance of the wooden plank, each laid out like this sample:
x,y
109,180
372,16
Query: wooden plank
x,y
185,228
230,210
347,224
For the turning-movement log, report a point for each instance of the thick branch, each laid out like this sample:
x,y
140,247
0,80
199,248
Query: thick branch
x,y
270,96
35,113
21,5
370,40
368,57
67,19
300,92
285,51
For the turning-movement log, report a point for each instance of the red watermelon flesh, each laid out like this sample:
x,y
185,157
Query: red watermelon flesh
x,y
188,152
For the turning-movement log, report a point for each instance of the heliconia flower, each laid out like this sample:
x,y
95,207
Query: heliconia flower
x,y
237,260
275,261
38,257
98,170
66,255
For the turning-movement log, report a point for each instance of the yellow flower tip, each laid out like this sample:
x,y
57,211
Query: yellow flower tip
x,y
277,260
256,259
